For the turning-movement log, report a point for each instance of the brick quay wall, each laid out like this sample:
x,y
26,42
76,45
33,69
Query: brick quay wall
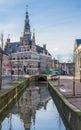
x,y
70,113
8,95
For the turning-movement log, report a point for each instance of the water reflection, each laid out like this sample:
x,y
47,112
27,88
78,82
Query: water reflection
x,y
34,111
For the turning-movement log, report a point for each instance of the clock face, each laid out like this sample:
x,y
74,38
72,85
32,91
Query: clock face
x,y
27,33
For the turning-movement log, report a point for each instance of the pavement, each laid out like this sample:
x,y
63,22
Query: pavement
x,y
66,88
6,81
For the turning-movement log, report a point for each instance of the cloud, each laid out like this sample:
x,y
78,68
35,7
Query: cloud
x,y
12,29
56,26
55,49
9,1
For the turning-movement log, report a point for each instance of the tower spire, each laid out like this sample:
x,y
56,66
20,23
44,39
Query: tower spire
x,y
33,38
27,33
26,8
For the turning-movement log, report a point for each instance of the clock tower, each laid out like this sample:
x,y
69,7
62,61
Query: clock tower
x,y
27,32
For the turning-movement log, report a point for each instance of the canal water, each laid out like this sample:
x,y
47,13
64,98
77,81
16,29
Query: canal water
x,y
35,110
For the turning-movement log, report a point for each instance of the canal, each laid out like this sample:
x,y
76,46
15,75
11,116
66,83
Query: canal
x,y
34,110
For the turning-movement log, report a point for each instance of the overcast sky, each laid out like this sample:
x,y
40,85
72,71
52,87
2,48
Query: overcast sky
x,y
57,23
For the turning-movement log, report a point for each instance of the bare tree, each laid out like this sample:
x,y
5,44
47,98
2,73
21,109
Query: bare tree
x,y
1,58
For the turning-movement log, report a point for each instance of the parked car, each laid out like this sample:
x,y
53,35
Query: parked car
x,y
54,75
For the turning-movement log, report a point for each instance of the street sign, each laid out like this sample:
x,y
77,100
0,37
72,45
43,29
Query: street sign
x,y
56,69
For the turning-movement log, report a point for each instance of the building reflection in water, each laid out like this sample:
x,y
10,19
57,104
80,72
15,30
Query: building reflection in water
x,y
34,98
26,112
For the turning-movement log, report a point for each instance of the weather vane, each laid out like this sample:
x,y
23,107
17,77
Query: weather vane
x,y
26,8
8,35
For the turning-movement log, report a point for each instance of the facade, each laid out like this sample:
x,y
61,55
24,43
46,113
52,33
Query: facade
x,y
77,58
4,64
67,68
55,63
64,68
25,56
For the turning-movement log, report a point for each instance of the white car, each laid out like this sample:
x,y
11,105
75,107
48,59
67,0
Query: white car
x,y
54,75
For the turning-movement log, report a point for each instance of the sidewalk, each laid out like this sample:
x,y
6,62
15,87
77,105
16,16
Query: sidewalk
x,y
6,82
66,88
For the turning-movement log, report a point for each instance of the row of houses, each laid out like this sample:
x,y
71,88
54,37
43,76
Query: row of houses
x,y
5,63
65,68
77,58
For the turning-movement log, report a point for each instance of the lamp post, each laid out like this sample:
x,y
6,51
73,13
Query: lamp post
x,y
80,66
18,66
22,69
18,62
1,58
80,74
59,72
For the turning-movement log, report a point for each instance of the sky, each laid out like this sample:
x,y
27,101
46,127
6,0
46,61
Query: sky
x,y
57,23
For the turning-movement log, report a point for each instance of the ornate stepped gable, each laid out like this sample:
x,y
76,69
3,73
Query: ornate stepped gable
x,y
26,53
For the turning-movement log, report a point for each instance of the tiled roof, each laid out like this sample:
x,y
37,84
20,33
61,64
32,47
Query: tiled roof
x,y
13,46
78,41
2,51
42,50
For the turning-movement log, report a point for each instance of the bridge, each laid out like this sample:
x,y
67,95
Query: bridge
x,y
41,77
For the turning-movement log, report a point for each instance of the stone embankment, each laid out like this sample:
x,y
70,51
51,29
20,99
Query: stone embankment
x,y
10,91
68,103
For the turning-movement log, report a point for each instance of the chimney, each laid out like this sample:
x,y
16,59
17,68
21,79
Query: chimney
x,y
21,39
8,40
44,46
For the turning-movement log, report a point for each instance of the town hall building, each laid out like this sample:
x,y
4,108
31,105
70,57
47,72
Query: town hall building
x,y
25,56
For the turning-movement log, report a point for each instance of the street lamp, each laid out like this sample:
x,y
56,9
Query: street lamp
x,y
80,74
80,66
18,66
59,72
22,69
18,62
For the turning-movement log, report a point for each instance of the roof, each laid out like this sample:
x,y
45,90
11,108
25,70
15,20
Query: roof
x,y
12,46
2,51
42,50
78,41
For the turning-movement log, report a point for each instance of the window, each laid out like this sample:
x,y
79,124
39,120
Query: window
x,y
25,57
14,58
